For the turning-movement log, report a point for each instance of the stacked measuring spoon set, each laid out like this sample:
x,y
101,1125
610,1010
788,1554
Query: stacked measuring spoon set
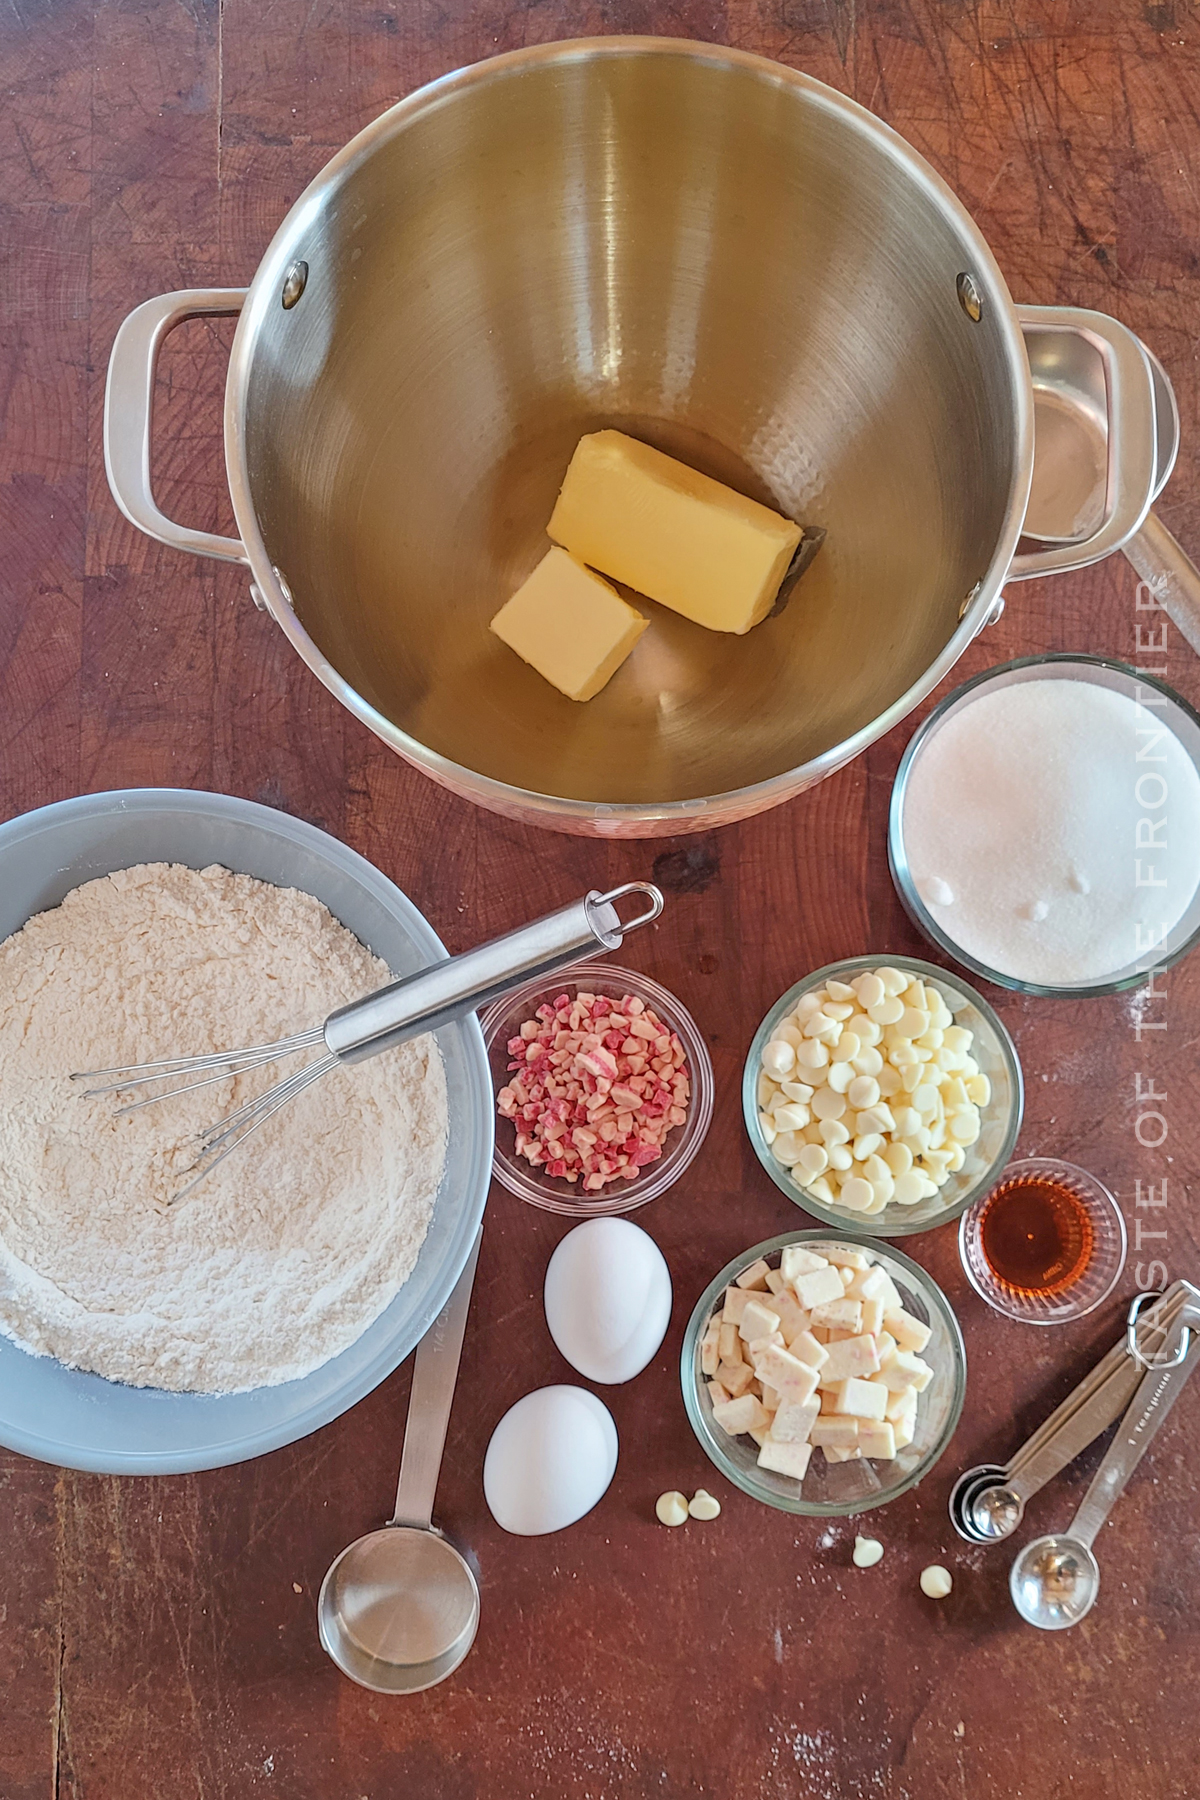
x,y
1055,1579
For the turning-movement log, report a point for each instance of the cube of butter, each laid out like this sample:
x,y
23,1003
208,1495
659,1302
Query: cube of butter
x,y
570,625
687,541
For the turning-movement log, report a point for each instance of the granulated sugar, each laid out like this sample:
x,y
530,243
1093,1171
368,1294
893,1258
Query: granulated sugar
x,y
1038,840
294,1245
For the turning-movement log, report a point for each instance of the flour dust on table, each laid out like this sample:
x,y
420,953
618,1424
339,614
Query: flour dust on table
x,y
281,1258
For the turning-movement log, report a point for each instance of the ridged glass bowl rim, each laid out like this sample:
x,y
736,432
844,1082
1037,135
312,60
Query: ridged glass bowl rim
x,y
916,1278
902,878
1044,1164
867,1227
553,1195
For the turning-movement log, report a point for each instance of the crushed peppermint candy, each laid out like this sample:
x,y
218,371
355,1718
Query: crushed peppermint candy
x,y
597,1085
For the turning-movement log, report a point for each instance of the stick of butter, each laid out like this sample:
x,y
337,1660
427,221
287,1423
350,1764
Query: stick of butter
x,y
570,625
682,538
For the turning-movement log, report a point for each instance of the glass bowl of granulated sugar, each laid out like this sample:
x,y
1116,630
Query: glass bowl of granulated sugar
x,y
1045,826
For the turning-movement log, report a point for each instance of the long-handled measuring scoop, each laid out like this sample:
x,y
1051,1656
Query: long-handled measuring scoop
x,y
399,1608
404,1009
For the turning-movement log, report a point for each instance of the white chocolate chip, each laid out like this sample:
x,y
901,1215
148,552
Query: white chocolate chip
x,y
883,1090
863,1091
778,1058
672,1508
867,1552
703,1505
936,1582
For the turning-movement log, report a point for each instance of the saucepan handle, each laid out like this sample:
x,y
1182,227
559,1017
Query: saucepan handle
x,y
1172,578
128,405
1132,443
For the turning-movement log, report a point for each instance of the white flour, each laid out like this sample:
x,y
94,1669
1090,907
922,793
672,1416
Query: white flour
x,y
288,1251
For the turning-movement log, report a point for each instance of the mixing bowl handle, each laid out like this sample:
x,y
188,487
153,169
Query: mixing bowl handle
x,y
1132,440
128,405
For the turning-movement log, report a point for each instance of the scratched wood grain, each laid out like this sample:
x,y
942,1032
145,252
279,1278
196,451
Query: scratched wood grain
x,y
157,1637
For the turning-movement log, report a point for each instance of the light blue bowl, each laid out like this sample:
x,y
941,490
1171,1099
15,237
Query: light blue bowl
x,y
82,1421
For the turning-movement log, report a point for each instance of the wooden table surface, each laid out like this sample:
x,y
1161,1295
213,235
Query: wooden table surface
x,y
157,1636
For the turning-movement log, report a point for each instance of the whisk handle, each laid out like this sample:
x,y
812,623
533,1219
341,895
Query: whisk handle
x,y
462,984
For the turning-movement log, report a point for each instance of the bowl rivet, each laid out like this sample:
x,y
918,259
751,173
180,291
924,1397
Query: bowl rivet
x,y
969,297
296,279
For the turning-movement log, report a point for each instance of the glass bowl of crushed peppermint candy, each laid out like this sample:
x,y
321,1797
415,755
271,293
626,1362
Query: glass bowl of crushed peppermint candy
x,y
604,1090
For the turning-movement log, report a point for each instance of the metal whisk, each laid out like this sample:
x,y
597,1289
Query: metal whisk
x,y
402,1010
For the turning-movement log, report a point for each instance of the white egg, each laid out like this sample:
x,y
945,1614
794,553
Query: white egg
x,y
608,1299
550,1459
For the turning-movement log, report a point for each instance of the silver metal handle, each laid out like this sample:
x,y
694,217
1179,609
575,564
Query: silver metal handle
x,y
129,405
1132,440
1108,1399
1156,1394
1170,574
435,1375
1154,1328
462,984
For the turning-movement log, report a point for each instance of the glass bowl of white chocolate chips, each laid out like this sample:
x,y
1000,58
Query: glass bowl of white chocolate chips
x,y
883,1094
823,1373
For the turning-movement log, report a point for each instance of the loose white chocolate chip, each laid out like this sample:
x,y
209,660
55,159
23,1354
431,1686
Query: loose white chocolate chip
x,y
672,1508
704,1505
884,1094
867,1552
936,1582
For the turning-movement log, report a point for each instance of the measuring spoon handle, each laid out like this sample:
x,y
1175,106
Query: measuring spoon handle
x,y
1156,1394
1085,1424
1154,1325
433,1383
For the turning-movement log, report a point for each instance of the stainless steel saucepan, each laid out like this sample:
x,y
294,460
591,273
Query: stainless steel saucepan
x,y
710,251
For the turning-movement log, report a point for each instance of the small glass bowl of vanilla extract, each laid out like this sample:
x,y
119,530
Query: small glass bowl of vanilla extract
x,y
1045,1245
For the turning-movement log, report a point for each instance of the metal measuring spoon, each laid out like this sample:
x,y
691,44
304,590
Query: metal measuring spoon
x,y
987,1503
995,1509
1055,1579
399,1608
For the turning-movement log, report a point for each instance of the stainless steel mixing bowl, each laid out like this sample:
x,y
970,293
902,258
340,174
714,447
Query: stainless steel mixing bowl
x,y
710,251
